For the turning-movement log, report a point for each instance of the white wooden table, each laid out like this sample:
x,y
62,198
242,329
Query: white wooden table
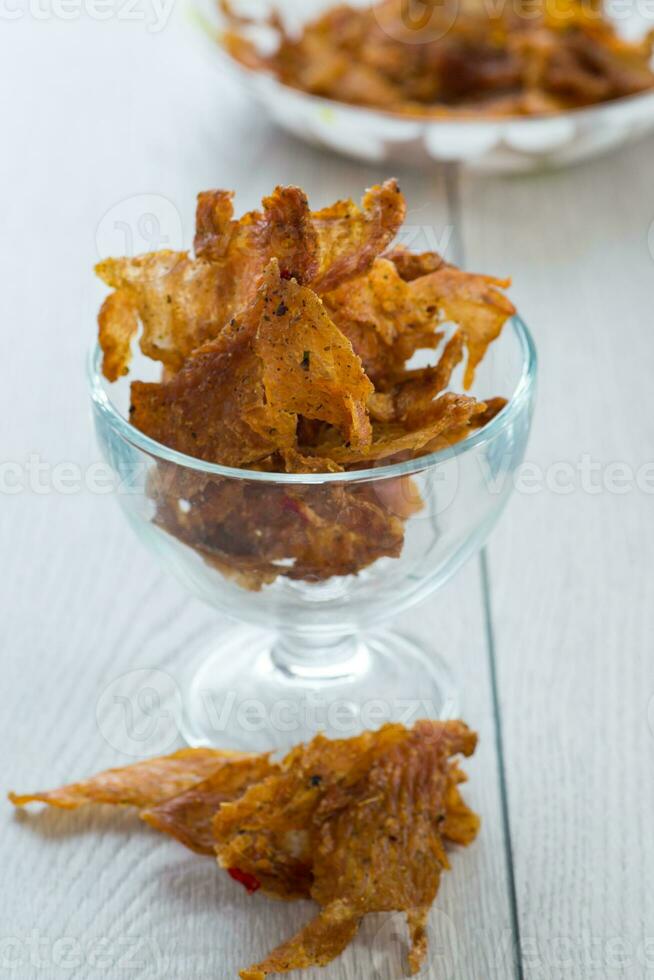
x,y
550,632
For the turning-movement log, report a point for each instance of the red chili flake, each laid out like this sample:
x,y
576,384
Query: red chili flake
x,y
285,274
249,882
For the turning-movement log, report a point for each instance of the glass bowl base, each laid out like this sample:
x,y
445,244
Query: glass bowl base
x,y
257,692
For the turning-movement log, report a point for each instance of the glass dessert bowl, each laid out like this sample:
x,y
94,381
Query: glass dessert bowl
x,y
312,655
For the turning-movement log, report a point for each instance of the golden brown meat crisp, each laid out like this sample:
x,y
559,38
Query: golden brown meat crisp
x,y
288,343
141,785
359,825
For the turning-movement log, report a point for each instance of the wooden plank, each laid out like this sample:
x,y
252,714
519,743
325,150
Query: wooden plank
x,y
571,584
127,115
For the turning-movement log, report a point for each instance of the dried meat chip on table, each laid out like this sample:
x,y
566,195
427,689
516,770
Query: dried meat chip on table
x,y
238,398
178,794
142,784
188,817
359,825
183,301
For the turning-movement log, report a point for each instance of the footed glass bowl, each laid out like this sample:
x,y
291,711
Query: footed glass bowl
x,y
312,655
517,144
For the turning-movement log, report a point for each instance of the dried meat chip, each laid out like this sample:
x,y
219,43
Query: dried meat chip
x,y
237,399
388,318
493,407
414,265
356,824
460,825
175,298
382,318
309,366
445,419
352,237
215,408
284,230
183,302
474,303
265,833
142,784
188,817
413,394
296,384
118,324
214,225
319,943
294,462
400,495
346,530
254,532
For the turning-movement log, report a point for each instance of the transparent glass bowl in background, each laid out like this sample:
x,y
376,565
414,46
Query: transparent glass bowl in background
x,y
509,145
312,655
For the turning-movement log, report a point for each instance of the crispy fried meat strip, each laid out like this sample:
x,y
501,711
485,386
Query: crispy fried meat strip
x,y
474,303
183,302
357,824
444,419
142,785
388,318
255,532
189,816
238,398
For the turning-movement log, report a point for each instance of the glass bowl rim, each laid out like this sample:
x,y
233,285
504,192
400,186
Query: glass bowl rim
x,y
140,441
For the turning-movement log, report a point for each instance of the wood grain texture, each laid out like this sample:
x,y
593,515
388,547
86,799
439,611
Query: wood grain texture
x,y
99,113
570,567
